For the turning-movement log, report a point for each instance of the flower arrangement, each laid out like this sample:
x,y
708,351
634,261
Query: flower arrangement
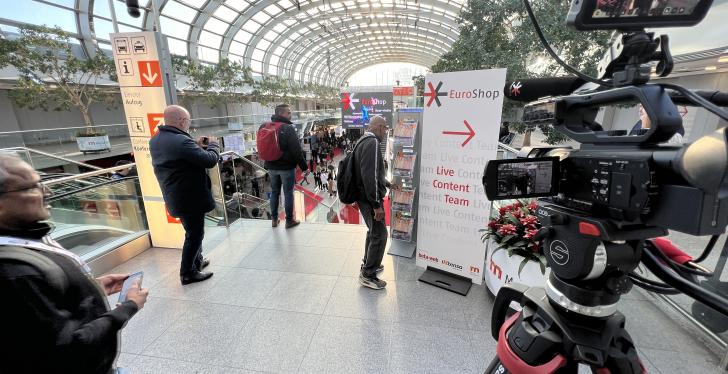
x,y
513,230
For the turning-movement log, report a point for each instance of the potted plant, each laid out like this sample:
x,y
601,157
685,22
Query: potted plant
x,y
512,254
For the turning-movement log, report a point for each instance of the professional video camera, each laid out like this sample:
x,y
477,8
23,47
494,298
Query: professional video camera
x,y
601,206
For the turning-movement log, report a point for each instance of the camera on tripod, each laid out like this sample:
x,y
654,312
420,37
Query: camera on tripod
x,y
601,205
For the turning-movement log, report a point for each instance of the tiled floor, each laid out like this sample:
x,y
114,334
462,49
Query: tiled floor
x,y
286,301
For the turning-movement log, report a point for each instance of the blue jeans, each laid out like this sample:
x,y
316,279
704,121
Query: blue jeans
x,y
285,179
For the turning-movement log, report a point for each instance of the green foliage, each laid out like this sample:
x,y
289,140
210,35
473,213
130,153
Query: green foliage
x,y
227,81
52,77
221,83
499,34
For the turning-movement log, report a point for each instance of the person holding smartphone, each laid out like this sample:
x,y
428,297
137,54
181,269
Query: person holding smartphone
x,y
180,165
55,317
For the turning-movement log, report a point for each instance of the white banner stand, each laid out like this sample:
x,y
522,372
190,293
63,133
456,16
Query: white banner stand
x,y
459,136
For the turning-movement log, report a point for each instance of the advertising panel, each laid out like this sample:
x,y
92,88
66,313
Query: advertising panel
x,y
357,107
459,136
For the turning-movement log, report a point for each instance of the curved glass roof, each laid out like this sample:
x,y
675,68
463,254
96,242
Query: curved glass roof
x,y
308,41
319,41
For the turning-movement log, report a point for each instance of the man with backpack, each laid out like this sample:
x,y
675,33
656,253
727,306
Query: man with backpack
x,y
55,316
362,180
278,145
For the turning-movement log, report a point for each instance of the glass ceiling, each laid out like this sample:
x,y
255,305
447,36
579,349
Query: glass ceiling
x,y
323,41
309,41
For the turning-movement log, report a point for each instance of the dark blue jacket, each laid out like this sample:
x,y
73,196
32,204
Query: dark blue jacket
x,y
179,164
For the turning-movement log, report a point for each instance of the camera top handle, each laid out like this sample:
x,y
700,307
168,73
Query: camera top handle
x,y
575,115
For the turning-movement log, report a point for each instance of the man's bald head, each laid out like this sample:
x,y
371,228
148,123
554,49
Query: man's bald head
x,y
378,126
177,116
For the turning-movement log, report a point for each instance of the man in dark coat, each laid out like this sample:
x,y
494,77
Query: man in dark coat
x,y
283,170
179,164
55,317
372,187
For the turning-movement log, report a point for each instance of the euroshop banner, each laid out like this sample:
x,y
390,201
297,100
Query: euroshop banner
x,y
459,136
375,103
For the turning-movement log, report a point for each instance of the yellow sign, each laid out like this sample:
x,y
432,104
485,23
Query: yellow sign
x,y
142,92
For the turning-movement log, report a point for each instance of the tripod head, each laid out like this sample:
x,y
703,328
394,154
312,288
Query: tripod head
x,y
589,258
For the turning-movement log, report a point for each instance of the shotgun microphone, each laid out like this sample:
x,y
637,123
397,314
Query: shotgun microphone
x,y
534,89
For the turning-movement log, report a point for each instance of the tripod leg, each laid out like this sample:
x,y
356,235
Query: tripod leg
x,y
622,358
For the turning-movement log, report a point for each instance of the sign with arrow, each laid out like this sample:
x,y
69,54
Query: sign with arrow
x,y
150,74
460,128
155,120
470,133
145,93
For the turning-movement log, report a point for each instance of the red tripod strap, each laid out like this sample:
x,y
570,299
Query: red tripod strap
x,y
513,363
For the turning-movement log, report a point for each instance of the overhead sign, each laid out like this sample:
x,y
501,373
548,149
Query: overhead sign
x,y
143,93
403,91
459,136
355,106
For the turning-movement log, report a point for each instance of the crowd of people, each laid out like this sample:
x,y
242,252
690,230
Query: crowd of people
x,y
56,310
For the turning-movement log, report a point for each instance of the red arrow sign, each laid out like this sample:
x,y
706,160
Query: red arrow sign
x,y
150,74
470,133
154,119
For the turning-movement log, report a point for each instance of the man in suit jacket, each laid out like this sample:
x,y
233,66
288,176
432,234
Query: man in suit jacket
x,y
179,164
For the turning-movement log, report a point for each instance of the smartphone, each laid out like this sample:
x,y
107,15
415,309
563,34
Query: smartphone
x,y
127,284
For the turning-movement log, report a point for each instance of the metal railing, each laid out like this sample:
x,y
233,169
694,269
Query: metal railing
x,y
28,151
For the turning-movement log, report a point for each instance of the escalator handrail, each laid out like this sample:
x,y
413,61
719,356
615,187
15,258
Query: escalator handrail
x,y
50,155
227,153
82,189
89,174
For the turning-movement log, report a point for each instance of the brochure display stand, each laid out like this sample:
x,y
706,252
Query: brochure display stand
x,y
404,168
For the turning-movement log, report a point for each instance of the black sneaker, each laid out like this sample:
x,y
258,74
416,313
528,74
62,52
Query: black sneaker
x,y
373,282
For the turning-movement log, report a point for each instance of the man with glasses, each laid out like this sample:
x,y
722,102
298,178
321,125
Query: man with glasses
x,y
372,186
179,164
54,317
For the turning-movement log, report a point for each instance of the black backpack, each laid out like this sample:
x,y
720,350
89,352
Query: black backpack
x,y
346,183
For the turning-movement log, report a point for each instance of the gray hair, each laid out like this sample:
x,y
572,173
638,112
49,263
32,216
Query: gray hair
x,y
7,161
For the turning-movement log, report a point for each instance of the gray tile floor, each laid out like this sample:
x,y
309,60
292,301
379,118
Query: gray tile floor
x,y
286,301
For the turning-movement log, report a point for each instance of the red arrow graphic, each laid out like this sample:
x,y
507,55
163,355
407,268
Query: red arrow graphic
x,y
470,133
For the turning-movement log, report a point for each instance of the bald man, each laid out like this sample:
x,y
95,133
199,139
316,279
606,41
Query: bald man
x,y
179,164
372,190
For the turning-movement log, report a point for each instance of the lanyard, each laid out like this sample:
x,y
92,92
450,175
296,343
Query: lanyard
x,y
54,248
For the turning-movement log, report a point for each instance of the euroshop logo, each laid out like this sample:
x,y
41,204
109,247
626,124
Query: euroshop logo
x,y
434,94
516,88
349,100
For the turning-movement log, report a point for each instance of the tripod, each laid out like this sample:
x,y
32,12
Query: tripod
x,y
546,338
574,319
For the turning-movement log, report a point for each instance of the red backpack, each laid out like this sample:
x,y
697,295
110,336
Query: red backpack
x,y
268,141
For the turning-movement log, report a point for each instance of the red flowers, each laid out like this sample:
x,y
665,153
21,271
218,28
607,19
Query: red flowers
x,y
515,227
529,220
506,230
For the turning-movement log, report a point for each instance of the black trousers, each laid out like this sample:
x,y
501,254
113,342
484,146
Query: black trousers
x,y
376,240
194,225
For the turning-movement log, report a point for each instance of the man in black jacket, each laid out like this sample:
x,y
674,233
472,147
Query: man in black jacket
x,y
283,171
54,317
372,186
179,164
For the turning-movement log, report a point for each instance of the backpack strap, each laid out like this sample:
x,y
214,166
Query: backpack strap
x,y
53,273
